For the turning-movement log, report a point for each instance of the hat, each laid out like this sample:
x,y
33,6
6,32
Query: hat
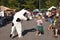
x,y
53,7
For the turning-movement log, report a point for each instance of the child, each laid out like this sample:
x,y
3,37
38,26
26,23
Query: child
x,y
39,25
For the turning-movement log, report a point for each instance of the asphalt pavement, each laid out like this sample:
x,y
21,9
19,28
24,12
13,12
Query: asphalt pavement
x,y
28,31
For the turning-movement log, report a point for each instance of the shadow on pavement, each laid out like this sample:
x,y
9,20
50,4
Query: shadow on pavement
x,y
25,32
28,30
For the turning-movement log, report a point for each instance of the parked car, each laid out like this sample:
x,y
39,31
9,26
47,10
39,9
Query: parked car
x,y
3,21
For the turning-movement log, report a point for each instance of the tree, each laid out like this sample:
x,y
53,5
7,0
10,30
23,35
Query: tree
x,y
50,3
42,3
29,4
19,4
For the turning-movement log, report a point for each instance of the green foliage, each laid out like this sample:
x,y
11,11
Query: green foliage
x,y
50,3
32,4
29,4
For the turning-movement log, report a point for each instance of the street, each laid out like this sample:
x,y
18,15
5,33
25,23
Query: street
x,y
28,32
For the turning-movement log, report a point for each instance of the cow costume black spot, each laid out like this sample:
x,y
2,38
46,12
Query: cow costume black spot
x,y
18,20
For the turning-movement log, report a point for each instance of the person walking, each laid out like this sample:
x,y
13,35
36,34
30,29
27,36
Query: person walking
x,y
39,22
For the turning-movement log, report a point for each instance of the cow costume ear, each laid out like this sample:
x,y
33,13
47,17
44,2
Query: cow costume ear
x,y
18,20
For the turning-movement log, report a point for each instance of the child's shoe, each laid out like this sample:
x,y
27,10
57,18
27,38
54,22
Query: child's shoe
x,y
40,34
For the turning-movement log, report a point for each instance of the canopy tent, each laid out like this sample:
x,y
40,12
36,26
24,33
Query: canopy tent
x,y
4,8
7,10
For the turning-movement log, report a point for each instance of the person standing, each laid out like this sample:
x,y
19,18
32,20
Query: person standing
x,y
57,25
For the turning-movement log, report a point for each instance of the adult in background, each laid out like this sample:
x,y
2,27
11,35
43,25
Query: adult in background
x,y
57,24
51,16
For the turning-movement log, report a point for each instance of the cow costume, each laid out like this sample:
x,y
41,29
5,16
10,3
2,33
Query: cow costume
x,y
16,23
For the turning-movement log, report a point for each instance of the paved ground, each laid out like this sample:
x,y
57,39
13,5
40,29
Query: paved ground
x,y
29,34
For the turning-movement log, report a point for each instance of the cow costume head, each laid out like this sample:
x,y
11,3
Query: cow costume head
x,y
22,15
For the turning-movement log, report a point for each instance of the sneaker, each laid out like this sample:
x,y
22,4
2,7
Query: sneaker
x,y
10,35
56,36
40,34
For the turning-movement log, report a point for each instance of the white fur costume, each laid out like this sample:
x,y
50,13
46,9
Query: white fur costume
x,y
17,25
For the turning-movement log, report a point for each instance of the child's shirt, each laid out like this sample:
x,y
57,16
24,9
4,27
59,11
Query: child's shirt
x,y
39,22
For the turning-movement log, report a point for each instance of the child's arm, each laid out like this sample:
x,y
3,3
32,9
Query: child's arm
x,y
36,21
41,22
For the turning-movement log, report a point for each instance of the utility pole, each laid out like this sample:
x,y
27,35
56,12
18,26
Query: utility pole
x,y
39,4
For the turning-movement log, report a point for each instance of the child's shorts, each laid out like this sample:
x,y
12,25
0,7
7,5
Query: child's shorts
x,y
40,28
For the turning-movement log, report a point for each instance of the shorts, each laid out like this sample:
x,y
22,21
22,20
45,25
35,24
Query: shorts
x,y
40,28
50,20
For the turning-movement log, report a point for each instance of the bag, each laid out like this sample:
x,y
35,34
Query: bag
x,y
57,24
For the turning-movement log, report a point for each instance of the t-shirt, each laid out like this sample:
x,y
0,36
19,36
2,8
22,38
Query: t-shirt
x,y
39,22
47,13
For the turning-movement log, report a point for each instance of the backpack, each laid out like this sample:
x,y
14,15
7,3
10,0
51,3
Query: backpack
x,y
57,22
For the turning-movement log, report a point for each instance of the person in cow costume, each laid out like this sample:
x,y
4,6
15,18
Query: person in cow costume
x,y
16,23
